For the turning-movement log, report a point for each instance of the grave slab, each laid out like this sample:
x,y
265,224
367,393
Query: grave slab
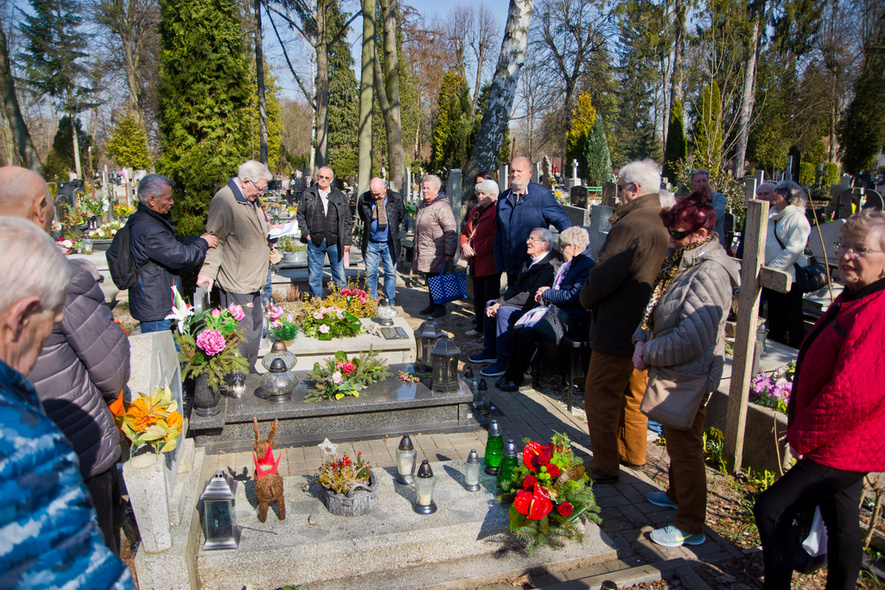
x,y
464,544
389,407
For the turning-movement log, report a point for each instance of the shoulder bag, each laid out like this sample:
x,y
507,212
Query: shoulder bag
x,y
673,398
808,278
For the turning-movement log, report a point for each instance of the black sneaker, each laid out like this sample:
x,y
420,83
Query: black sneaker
x,y
428,310
440,311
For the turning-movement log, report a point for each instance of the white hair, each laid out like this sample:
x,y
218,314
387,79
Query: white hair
x,y
545,235
434,180
151,186
254,170
488,186
645,173
32,265
574,236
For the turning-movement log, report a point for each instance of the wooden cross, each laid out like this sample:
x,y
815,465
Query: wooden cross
x,y
754,276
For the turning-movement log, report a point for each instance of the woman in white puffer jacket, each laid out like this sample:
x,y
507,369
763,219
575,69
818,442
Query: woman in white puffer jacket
x,y
788,231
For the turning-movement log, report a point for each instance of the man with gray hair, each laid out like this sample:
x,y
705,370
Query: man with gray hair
x,y
48,532
616,292
239,263
158,254
700,180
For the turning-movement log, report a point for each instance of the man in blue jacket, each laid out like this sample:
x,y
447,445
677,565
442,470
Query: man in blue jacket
x,y
48,532
158,254
521,208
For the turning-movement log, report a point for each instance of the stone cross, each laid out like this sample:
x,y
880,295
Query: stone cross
x,y
503,177
574,170
536,172
754,276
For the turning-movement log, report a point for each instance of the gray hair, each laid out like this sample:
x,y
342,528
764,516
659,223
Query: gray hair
x,y
645,173
698,171
434,180
32,265
253,170
866,222
574,236
545,235
151,186
792,192
488,186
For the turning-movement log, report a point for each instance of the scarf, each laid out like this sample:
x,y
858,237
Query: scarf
x,y
379,213
668,271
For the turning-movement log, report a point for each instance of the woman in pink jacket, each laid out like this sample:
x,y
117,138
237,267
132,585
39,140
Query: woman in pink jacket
x,y
836,415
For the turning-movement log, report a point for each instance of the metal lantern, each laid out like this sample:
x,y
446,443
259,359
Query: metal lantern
x,y
425,482
471,472
219,518
386,311
425,340
279,350
405,461
278,383
445,366
481,398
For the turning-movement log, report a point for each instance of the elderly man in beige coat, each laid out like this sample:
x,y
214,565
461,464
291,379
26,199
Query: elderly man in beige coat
x,y
239,263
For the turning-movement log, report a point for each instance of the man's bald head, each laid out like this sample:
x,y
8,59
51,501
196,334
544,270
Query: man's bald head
x,y
24,193
378,188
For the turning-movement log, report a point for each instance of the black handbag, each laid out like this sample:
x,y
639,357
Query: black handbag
x,y
808,278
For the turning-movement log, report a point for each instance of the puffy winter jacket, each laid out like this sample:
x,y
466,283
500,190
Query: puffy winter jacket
x,y
81,369
48,532
792,230
152,241
837,408
436,235
689,319
481,224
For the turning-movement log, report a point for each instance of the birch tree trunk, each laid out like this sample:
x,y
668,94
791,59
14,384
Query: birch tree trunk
x,y
13,113
393,115
77,168
678,75
259,69
503,92
748,92
367,81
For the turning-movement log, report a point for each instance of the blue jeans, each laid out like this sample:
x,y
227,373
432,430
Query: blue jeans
x,y
157,326
316,258
497,332
375,252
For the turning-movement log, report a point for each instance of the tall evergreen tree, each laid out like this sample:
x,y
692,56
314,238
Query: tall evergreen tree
x,y
597,156
452,126
578,137
53,58
128,144
63,142
708,130
344,101
205,98
676,148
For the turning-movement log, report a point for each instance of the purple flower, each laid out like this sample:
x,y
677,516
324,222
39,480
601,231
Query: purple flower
x,y
215,313
211,342
236,311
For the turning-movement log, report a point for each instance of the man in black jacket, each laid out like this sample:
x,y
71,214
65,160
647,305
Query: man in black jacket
x,y
538,271
159,256
382,212
325,222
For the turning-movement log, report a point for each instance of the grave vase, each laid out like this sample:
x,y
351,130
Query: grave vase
x,y
206,399
361,499
145,477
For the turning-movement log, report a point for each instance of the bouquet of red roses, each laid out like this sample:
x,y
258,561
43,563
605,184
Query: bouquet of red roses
x,y
549,495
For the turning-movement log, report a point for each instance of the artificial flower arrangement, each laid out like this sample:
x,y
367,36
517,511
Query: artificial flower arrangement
x,y
415,377
106,231
350,298
282,324
339,376
549,495
208,341
122,211
341,474
152,420
773,390
68,245
326,323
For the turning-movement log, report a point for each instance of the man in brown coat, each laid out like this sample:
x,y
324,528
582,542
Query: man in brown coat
x,y
617,292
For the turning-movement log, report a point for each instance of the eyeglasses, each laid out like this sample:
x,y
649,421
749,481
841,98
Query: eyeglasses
x,y
260,190
535,240
622,187
679,235
323,176
842,249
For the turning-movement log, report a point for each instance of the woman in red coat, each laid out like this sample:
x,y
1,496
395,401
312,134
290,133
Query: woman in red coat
x,y
478,248
836,415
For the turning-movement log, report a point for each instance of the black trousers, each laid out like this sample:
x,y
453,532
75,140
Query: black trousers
x,y
484,289
806,485
251,324
106,498
786,323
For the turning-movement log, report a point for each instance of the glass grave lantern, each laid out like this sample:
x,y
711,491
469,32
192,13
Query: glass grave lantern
x,y
508,462
494,449
386,312
425,341
278,383
445,366
472,470
219,518
405,461
481,398
425,483
279,350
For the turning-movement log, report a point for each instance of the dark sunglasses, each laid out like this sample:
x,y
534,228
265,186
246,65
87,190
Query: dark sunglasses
x,y
679,235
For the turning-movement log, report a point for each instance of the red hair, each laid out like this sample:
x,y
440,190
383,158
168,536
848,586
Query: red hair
x,y
694,211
